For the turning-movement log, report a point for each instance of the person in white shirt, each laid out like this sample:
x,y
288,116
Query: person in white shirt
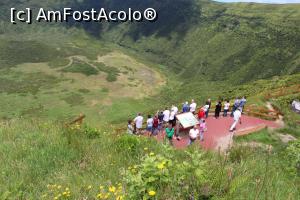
x,y
138,122
194,132
149,124
175,109
166,115
130,129
193,107
236,118
205,108
172,118
226,108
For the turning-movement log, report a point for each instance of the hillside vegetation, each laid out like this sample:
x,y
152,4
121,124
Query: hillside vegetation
x,y
237,43
44,160
205,45
50,73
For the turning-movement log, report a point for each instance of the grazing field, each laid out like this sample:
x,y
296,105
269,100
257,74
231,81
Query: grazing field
x,y
63,90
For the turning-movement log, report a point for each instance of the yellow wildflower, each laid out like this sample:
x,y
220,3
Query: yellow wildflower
x,y
65,193
58,187
119,197
99,196
112,189
160,166
152,193
151,154
89,187
145,148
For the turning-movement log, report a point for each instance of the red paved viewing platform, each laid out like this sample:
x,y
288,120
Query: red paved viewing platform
x,y
218,135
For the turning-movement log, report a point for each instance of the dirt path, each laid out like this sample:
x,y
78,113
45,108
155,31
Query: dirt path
x,y
279,120
80,58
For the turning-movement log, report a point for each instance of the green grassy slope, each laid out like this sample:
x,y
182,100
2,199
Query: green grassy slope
x,y
233,42
44,160
201,39
205,55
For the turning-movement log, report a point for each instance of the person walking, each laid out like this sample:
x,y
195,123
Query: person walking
x,y
236,118
235,106
194,132
139,123
202,129
243,103
218,109
226,108
169,133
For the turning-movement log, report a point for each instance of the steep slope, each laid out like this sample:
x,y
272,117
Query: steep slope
x,y
234,42
206,47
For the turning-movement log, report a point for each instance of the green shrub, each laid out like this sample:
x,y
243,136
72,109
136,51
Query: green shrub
x,y
111,77
293,155
91,132
112,72
129,143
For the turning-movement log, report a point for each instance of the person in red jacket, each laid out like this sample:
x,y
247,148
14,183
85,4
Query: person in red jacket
x,y
155,126
201,114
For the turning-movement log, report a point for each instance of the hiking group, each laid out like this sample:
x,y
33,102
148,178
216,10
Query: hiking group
x,y
167,122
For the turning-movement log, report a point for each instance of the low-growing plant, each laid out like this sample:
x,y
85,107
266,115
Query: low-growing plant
x,y
293,155
162,177
129,144
91,132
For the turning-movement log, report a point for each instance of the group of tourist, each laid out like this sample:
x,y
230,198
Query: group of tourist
x,y
167,120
